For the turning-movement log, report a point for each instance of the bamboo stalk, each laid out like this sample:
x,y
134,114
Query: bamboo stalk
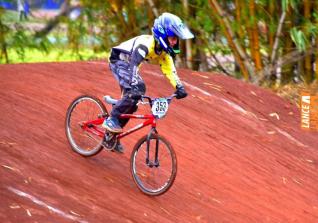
x,y
296,55
3,44
316,70
4,52
255,48
308,66
132,20
218,63
238,17
239,54
250,30
268,70
270,32
278,33
116,9
153,8
286,46
50,25
316,56
251,40
241,17
287,74
188,42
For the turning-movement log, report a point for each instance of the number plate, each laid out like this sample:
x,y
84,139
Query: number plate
x,y
160,107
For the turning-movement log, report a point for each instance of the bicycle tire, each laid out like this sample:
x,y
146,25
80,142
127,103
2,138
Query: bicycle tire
x,y
75,139
136,172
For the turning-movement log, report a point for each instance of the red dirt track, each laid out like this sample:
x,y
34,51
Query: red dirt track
x,y
242,156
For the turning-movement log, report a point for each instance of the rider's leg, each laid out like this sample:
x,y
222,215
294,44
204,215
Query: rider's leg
x,y
127,104
120,70
123,122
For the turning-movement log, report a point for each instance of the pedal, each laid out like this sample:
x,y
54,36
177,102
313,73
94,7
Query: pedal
x,y
109,136
110,141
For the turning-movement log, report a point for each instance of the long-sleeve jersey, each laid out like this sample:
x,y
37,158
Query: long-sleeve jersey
x,y
141,48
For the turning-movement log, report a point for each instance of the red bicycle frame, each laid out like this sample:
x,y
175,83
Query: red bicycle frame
x,y
91,126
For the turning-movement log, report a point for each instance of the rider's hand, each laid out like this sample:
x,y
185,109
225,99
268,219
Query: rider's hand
x,y
180,92
134,93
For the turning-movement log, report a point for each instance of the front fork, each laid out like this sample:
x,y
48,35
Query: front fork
x,y
148,161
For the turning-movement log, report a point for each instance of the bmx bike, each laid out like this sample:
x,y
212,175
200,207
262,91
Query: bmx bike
x,y
153,161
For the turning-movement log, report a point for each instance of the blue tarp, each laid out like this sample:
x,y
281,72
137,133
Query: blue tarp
x,y
52,4
43,4
7,5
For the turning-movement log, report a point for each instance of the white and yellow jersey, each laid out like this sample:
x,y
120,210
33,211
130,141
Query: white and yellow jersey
x,y
141,48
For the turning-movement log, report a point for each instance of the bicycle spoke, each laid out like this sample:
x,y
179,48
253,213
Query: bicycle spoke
x,y
83,109
150,178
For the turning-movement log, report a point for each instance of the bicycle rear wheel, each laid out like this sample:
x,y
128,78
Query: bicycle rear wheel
x,y
84,108
153,178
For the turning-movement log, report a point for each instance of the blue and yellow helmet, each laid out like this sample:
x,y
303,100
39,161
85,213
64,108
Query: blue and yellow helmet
x,y
167,25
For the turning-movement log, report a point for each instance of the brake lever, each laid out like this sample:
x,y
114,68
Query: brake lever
x,y
169,99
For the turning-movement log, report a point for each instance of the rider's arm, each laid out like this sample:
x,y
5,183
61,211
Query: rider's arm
x,y
169,70
137,56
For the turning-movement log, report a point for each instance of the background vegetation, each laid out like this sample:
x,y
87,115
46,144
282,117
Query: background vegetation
x,y
267,42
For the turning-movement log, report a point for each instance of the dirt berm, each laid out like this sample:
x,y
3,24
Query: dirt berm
x,y
242,156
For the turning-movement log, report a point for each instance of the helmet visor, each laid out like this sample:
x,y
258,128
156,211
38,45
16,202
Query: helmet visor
x,y
182,31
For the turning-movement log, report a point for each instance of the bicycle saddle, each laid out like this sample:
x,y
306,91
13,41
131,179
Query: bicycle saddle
x,y
109,100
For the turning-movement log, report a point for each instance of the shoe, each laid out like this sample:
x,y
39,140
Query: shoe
x,y
119,148
112,125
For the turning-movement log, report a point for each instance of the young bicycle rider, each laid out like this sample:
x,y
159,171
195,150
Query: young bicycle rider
x,y
160,48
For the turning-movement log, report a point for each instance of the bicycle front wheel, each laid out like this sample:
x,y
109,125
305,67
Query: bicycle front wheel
x,y
84,108
153,170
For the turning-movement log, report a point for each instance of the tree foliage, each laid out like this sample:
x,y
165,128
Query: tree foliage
x,y
270,41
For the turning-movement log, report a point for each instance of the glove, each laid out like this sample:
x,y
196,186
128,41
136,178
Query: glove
x,y
133,93
180,92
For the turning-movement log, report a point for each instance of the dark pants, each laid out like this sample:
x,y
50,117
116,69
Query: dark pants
x,y
23,15
126,105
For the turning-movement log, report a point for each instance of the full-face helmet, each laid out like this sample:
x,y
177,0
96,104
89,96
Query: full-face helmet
x,y
167,25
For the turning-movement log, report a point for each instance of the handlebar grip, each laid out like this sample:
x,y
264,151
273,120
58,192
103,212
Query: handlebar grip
x,y
134,96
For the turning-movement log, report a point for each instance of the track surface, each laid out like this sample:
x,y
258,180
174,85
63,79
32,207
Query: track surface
x,y
242,156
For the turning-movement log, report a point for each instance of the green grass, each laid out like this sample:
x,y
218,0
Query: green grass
x,y
21,49
55,55
10,16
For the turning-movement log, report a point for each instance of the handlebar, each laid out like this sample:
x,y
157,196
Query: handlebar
x,y
150,100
